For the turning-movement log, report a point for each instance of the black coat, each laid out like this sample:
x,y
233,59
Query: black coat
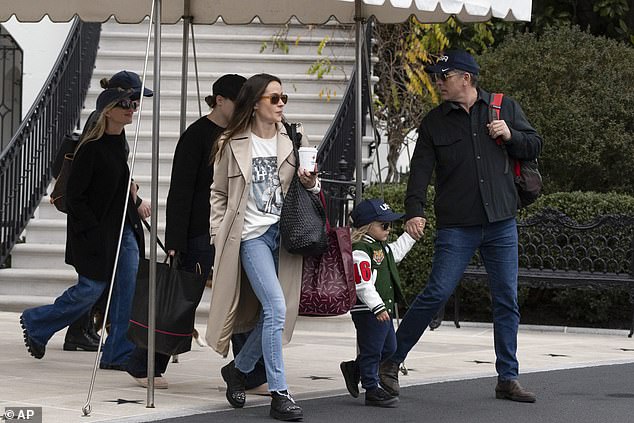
x,y
188,205
95,194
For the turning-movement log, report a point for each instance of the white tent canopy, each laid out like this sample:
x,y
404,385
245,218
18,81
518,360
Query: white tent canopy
x,y
269,11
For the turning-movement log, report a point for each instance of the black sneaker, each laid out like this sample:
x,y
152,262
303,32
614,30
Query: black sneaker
x,y
378,397
388,376
350,371
234,379
283,407
37,350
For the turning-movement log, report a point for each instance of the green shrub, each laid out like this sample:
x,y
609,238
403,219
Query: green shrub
x,y
574,306
576,90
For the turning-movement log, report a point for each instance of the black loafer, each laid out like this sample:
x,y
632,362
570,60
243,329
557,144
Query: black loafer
x,y
36,349
83,342
235,380
284,408
109,366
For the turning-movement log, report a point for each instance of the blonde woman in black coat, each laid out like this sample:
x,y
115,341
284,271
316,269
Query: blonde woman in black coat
x,y
97,190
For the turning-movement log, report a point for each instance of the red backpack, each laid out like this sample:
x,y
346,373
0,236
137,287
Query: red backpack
x,y
528,180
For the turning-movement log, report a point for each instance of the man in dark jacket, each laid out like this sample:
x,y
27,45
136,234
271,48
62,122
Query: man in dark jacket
x,y
475,205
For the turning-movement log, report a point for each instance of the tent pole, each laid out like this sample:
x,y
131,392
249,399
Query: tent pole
x,y
187,21
156,107
358,104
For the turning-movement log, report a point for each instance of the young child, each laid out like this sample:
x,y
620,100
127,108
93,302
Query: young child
x,y
378,289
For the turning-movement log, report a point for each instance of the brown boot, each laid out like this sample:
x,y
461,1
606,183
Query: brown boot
x,y
512,390
388,376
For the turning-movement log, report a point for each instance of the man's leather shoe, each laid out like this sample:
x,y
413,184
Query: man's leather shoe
x,y
512,390
388,376
283,407
378,397
36,349
351,374
235,380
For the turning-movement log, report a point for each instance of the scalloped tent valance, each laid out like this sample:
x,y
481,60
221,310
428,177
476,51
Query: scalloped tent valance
x,y
269,11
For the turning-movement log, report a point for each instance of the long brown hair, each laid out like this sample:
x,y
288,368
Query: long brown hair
x,y
243,113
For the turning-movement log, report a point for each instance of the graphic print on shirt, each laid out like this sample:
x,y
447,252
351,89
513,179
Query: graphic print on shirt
x,y
265,183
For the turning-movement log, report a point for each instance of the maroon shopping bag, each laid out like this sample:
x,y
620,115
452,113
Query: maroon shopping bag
x,y
328,280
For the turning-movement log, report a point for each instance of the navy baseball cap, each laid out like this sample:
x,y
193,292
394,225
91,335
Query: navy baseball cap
x,y
129,80
373,210
454,59
112,95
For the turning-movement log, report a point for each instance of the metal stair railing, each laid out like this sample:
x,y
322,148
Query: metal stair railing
x,y
337,152
25,164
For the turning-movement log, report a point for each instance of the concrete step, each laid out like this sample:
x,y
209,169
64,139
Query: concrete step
x,y
219,38
32,256
46,282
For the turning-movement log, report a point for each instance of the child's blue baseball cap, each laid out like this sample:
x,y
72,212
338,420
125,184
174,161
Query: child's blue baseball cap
x,y
373,210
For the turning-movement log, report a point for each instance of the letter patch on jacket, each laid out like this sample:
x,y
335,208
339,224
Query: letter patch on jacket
x,y
378,256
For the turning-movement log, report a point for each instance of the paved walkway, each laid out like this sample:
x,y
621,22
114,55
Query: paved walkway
x,y
59,382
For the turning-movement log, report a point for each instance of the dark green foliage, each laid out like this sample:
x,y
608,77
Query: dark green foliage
x,y
580,307
576,89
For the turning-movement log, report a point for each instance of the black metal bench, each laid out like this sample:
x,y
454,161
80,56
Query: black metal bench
x,y
555,251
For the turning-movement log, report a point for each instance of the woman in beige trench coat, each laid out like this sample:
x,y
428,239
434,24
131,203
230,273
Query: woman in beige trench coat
x,y
256,284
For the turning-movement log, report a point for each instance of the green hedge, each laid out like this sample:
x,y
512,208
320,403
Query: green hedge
x,y
576,90
578,307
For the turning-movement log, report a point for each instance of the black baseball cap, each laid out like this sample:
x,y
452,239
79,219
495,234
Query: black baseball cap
x,y
228,86
454,59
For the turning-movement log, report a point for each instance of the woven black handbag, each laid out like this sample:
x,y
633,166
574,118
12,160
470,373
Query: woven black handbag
x,y
303,218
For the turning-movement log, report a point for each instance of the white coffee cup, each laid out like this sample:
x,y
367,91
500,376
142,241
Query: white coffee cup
x,y
308,158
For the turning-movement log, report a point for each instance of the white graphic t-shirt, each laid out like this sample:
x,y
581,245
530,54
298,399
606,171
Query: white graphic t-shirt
x,y
265,198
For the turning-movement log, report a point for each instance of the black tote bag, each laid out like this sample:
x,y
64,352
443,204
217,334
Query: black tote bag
x,y
178,293
303,218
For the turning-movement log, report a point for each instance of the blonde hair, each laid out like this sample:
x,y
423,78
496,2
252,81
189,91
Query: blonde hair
x,y
357,234
98,128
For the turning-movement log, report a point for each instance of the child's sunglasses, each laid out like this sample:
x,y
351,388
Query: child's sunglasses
x,y
386,225
275,98
127,104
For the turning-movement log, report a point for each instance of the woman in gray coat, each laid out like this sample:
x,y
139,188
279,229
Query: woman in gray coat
x,y
256,284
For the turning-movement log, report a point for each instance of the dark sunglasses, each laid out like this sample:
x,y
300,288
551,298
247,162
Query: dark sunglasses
x,y
127,104
386,225
275,98
443,76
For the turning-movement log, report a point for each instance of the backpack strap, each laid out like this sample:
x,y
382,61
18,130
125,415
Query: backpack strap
x,y
495,105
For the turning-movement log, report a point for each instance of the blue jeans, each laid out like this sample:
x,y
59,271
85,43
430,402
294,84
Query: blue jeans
x,y
377,342
42,322
259,258
454,248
